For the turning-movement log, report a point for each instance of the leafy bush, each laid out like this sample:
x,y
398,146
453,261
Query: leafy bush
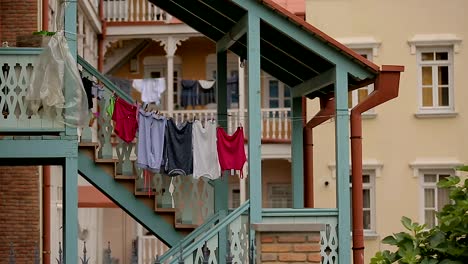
x,y
446,243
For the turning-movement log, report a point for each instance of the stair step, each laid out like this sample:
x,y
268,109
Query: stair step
x,y
186,226
165,210
88,144
106,160
143,193
125,177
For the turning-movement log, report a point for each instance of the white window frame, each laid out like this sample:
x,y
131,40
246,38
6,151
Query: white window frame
x,y
270,193
233,188
425,185
266,91
368,52
371,187
434,64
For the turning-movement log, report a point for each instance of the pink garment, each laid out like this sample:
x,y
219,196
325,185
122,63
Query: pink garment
x,y
231,152
125,118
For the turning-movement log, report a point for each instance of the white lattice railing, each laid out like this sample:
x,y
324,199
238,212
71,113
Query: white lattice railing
x,y
276,122
17,65
134,11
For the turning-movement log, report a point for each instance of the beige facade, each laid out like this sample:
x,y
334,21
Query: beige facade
x,y
406,144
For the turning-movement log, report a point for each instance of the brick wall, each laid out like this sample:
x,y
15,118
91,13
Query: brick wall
x,y
17,18
288,246
19,212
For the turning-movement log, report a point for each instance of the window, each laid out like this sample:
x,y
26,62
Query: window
x,y
279,195
234,199
368,195
358,95
433,198
232,77
435,80
277,94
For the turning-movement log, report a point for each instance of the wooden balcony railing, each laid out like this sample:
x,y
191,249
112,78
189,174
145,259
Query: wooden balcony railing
x,y
17,66
276,123
134,11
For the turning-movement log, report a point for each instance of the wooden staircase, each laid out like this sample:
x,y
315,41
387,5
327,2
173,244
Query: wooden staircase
x,y
149,200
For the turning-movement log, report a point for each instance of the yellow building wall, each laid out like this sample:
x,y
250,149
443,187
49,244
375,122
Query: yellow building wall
x,y
395,137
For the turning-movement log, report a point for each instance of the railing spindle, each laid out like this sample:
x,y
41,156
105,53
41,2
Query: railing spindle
x,y
137,10
280,124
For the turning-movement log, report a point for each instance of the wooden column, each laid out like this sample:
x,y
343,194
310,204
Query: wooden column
x,y
254,130
221,185
297,157
342,165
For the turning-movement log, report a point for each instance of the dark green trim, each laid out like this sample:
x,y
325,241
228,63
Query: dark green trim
x,y
127,201
289,212
108,84
20,51
38,148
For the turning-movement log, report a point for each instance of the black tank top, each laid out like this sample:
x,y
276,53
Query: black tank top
x,y
178,154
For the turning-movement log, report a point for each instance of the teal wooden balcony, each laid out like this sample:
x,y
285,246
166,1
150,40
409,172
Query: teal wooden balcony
x,y
17,66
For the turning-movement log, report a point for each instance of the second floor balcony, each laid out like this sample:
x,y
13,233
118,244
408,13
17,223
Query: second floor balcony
x,y
134,11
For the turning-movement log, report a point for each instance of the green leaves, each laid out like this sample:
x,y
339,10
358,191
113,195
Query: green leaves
x,y
446,243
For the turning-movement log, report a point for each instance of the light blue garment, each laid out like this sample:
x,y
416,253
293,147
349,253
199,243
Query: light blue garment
x,y
151,129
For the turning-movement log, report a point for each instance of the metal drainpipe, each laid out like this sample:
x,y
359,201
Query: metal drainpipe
x,y
101,36
385,88
327,108
45,15
46,214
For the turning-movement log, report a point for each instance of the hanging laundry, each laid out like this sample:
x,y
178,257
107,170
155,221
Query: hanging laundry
x,y
150,89
125,120
111,106
98,91
88,86
151,130
205,154
178,154
206,93
231,152
189,93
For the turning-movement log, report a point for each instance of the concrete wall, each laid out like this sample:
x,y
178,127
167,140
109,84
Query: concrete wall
x,y
395,138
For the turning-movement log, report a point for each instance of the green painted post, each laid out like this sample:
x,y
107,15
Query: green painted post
x,y
70,33
254,121
70,216
297,157
221,185
342,165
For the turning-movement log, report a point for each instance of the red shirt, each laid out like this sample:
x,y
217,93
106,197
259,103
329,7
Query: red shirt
x,y
231,153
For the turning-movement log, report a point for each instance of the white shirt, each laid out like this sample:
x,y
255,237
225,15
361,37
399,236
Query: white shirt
x,y
150,89
205,153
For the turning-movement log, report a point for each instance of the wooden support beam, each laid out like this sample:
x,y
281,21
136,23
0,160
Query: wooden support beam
x,y
236,32
314,84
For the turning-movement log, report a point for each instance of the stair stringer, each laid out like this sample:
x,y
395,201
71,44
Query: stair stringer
x,y
127,201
